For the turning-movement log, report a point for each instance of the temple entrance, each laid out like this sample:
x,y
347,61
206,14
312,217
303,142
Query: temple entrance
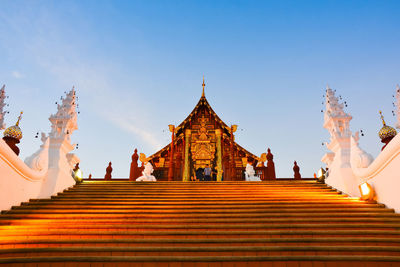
x,y
202,139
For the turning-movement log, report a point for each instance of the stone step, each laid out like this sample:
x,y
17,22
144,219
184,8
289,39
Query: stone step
x,y
286,194
190,195
277,202
44,224
206,217
104,223
128,188
37,225
207,206
30,232
196,251
200,210
269,203
14,242
211,261
218,218
201,189
201,198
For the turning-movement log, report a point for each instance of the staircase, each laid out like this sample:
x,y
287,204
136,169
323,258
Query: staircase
x,y
122,223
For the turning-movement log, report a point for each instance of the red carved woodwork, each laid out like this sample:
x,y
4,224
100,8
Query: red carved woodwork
x,y
108,172
386,141
270,165
134,171
202,148
296,170
12,143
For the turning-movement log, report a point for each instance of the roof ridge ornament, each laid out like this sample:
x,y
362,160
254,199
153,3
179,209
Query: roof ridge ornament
x,y
19,118
383,120
204,85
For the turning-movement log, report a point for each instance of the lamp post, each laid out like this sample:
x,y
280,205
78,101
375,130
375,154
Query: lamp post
x,y
367,192
77,173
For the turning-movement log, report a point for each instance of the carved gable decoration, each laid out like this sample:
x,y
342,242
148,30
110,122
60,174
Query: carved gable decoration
x,y
198,133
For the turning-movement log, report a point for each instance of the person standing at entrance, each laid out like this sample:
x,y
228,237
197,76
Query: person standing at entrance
x,y
200,174
207,173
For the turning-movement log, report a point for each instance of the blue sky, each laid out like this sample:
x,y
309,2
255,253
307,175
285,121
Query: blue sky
x,y
138,66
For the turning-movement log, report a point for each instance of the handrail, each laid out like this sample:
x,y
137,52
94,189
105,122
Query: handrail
x,y
391,151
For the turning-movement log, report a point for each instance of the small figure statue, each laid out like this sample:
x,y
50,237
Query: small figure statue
x,y
108,172
147,177
134,171
270,165
90,176
296,170
250,173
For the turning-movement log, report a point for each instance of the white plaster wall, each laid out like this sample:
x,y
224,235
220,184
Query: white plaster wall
x,y
19,183
387,185
383,173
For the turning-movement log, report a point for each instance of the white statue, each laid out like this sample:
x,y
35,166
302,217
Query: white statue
x,y
250,174
147,177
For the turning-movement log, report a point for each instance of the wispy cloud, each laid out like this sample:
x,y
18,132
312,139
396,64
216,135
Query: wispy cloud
x,y
48,46
127,125
17,74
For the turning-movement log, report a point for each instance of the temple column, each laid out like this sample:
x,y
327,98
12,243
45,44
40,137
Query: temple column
x,y
233,164
218,133
186,166
171,156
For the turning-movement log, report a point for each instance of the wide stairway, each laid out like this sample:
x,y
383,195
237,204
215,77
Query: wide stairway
x,y
271,223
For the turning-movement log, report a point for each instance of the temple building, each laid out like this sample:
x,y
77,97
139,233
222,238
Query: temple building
x,y
201,140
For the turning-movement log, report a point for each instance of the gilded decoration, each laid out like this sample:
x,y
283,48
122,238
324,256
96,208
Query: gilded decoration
x,y
201,139
203,150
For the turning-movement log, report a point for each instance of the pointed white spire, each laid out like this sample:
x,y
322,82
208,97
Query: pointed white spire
x,y
333,107
2,105
336,121
64,122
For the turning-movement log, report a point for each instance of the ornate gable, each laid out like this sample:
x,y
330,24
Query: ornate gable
x,y
196,140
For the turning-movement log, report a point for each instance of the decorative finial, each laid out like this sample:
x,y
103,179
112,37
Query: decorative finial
x,y
203,95
4,86
383,120
397,87
327,86
19,118
234,128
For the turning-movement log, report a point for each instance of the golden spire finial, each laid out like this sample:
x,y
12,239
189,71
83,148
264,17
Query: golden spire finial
x,y
204,85
383,120
19,118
